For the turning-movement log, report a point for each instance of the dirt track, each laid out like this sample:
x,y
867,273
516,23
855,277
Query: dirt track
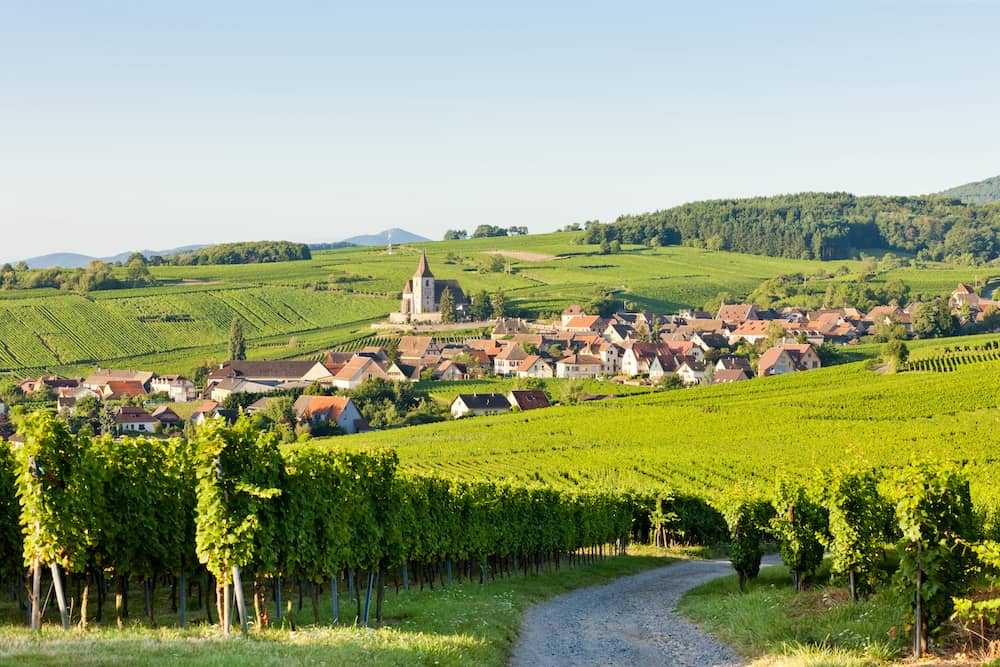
x,y
630,621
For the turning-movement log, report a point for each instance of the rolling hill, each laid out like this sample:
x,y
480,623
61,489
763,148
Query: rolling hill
x,y
981,192
381,238
295,309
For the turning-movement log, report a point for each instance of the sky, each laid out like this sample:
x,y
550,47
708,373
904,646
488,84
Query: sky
x,y
152,125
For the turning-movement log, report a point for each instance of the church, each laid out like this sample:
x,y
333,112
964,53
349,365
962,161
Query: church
x,y
422,296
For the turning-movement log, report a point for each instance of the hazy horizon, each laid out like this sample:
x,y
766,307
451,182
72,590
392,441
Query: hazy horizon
x,y
136,127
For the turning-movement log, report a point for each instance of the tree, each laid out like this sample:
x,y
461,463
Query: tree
x,y
447,306
481,306
933,319
895,353
456,235
237,343
605,248
498,303
602,304
488,231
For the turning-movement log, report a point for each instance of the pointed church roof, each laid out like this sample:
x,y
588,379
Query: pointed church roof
x,y
409,287
422,270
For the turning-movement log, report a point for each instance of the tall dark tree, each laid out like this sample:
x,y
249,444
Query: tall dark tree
x,y
499,303
447,306
481,306
237,343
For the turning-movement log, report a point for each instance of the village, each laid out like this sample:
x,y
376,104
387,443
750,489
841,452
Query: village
x,y
737,343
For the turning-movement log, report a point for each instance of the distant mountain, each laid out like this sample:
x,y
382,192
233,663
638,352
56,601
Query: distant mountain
x,y
72,260
398,236
980,192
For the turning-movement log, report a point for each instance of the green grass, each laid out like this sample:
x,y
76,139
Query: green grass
x,y
462,624
819,626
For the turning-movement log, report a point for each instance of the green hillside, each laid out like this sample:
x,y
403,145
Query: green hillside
x,y
821,225
709,439
980,192
298,308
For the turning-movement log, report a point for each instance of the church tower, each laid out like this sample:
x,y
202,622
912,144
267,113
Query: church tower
x,y
423,288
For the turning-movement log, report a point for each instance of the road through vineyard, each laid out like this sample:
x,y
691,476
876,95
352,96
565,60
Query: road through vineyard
x,y
628,622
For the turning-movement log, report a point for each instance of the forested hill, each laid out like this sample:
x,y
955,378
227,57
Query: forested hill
x,y
818,225
255,252
980,192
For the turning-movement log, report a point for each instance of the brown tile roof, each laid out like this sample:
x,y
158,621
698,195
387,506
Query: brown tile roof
x,y
529,399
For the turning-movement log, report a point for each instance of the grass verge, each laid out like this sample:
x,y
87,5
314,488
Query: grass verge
x,y
461,624
773,624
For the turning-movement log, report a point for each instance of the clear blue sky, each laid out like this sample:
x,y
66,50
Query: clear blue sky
x,y
133,125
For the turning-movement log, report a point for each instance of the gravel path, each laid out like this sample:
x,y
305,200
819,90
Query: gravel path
x,y
630,621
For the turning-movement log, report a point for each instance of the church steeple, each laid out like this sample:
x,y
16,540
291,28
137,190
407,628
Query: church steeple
x,y
422,270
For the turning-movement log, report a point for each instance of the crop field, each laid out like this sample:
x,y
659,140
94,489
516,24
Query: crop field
x,y
72,329
709,439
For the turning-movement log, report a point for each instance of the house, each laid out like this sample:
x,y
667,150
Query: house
x,y
578,366
117,389
710,340
572,311
737,313
527,399
134,420
509,326
258,406
414,348
478,404
52,382
619,334
102,376
339,410
691,371
230,416
535,366
179,389
662,364
731,362
221,390
400,372
783,359
166,416
509,359
358,371
67,397
638,357
585,324
727,375
449,370
271,373
753,331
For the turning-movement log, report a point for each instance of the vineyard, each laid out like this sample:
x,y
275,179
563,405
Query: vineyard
x,y
951,358
109,514
74,329
711,439
51,329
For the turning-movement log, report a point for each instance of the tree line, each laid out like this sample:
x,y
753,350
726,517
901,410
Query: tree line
x,y
251,252
822,226
97,276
